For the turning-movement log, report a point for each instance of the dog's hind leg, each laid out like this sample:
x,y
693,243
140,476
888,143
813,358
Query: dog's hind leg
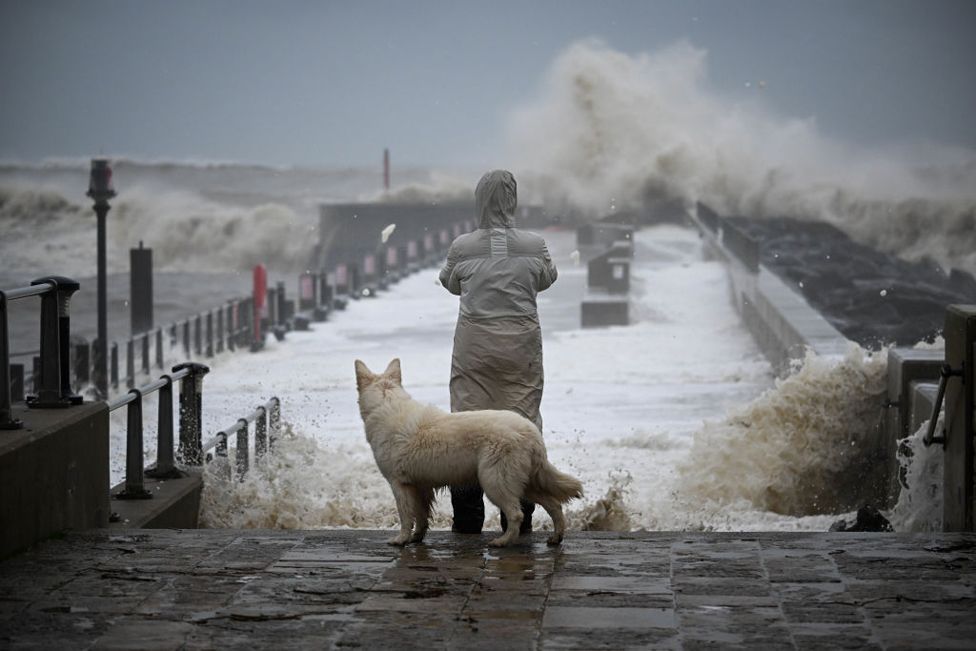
x,y
402,493
555,511
502,496
422,503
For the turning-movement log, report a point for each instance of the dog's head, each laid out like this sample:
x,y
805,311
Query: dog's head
x,y
373,388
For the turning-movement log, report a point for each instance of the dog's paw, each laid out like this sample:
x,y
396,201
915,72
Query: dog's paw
x,y
398,541
417,538
554,540
498,542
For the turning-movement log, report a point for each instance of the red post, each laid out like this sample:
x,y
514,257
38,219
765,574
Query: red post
x,y
260,305
386,169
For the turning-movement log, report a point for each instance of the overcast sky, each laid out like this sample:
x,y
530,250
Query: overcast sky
x,y
332,83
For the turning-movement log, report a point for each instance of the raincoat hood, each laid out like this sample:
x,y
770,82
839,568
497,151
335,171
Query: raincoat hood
x,y
495,199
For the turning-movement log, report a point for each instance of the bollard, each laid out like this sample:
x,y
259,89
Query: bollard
x,y
165,466
83,363
261,433
159,348
130,364
186,339
231,312
145,354
220,329
7,420
55,382
221,453
134,487
173,331
141,289
242,453
115,365
210,335
191,413
283,312
197,336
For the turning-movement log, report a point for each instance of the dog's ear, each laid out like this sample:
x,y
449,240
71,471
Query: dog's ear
x,y
363,375
393,371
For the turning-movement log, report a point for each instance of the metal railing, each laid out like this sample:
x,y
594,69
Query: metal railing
x,y
53,381
267,428
190,375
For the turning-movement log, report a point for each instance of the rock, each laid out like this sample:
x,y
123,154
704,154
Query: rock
x,y
869,518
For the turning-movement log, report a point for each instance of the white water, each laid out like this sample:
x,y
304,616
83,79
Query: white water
x,y
609,130
919,506
649,416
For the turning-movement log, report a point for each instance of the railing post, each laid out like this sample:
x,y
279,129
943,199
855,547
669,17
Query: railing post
x,y
191,413
186,339
210,335
243,454
130,364
7,420
55,385
197,336
165,467
159,348
115,365
145,353
220,329
134,487
274,423
83,363
231,344
221,453
261,434
16,382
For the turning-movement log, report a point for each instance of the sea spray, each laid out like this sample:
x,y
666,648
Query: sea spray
x,y
803,447
919,505
186,231
611,131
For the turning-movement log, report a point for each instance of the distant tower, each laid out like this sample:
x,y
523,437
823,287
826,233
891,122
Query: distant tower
x,y
386,169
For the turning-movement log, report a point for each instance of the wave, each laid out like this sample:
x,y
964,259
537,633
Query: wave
x,y
610,132
804,447
187,232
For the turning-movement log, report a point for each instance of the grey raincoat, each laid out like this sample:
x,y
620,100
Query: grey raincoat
x,y
497,271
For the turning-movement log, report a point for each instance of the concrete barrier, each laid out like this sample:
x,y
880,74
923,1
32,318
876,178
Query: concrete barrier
x,y
53,474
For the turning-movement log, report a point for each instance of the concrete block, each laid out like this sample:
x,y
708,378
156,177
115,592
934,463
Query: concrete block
x,y
175,504
54,474
597,312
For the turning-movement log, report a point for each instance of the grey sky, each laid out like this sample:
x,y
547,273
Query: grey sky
x,y
329,83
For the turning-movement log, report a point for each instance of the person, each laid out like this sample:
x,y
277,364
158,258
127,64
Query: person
x,y
497,270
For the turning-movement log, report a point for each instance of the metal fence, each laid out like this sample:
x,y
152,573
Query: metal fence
x,y
190,450
52,379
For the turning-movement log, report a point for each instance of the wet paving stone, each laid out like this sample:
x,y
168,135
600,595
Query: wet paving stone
x,y
347,589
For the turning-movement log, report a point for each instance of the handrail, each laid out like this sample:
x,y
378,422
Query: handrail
x,y
54,385
267,427
190,376
946,372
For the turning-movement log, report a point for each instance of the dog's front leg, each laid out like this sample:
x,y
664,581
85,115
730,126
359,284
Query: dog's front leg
x,y
402,497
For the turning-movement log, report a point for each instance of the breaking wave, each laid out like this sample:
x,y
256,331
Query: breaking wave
x,y
187,232
801,448
610,131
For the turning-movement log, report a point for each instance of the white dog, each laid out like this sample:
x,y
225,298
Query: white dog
x,y
419,448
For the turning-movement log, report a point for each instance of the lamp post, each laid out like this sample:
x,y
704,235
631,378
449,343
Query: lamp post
x,y
100,190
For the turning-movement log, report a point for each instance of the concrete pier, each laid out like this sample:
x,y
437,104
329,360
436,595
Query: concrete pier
x,y
171,589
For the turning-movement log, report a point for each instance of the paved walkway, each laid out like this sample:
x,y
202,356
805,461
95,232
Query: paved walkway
x,y
322,589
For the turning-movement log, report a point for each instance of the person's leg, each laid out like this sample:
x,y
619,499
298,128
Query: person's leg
x,y
469,509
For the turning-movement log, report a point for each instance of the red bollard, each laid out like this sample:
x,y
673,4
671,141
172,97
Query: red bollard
x,y
260,306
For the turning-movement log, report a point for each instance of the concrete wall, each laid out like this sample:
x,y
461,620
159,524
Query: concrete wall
x,y
175,504
53,474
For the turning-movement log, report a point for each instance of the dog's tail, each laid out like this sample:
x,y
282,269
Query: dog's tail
x,y
550,481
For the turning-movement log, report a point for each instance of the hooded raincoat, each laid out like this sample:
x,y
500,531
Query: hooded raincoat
x,y
497,271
